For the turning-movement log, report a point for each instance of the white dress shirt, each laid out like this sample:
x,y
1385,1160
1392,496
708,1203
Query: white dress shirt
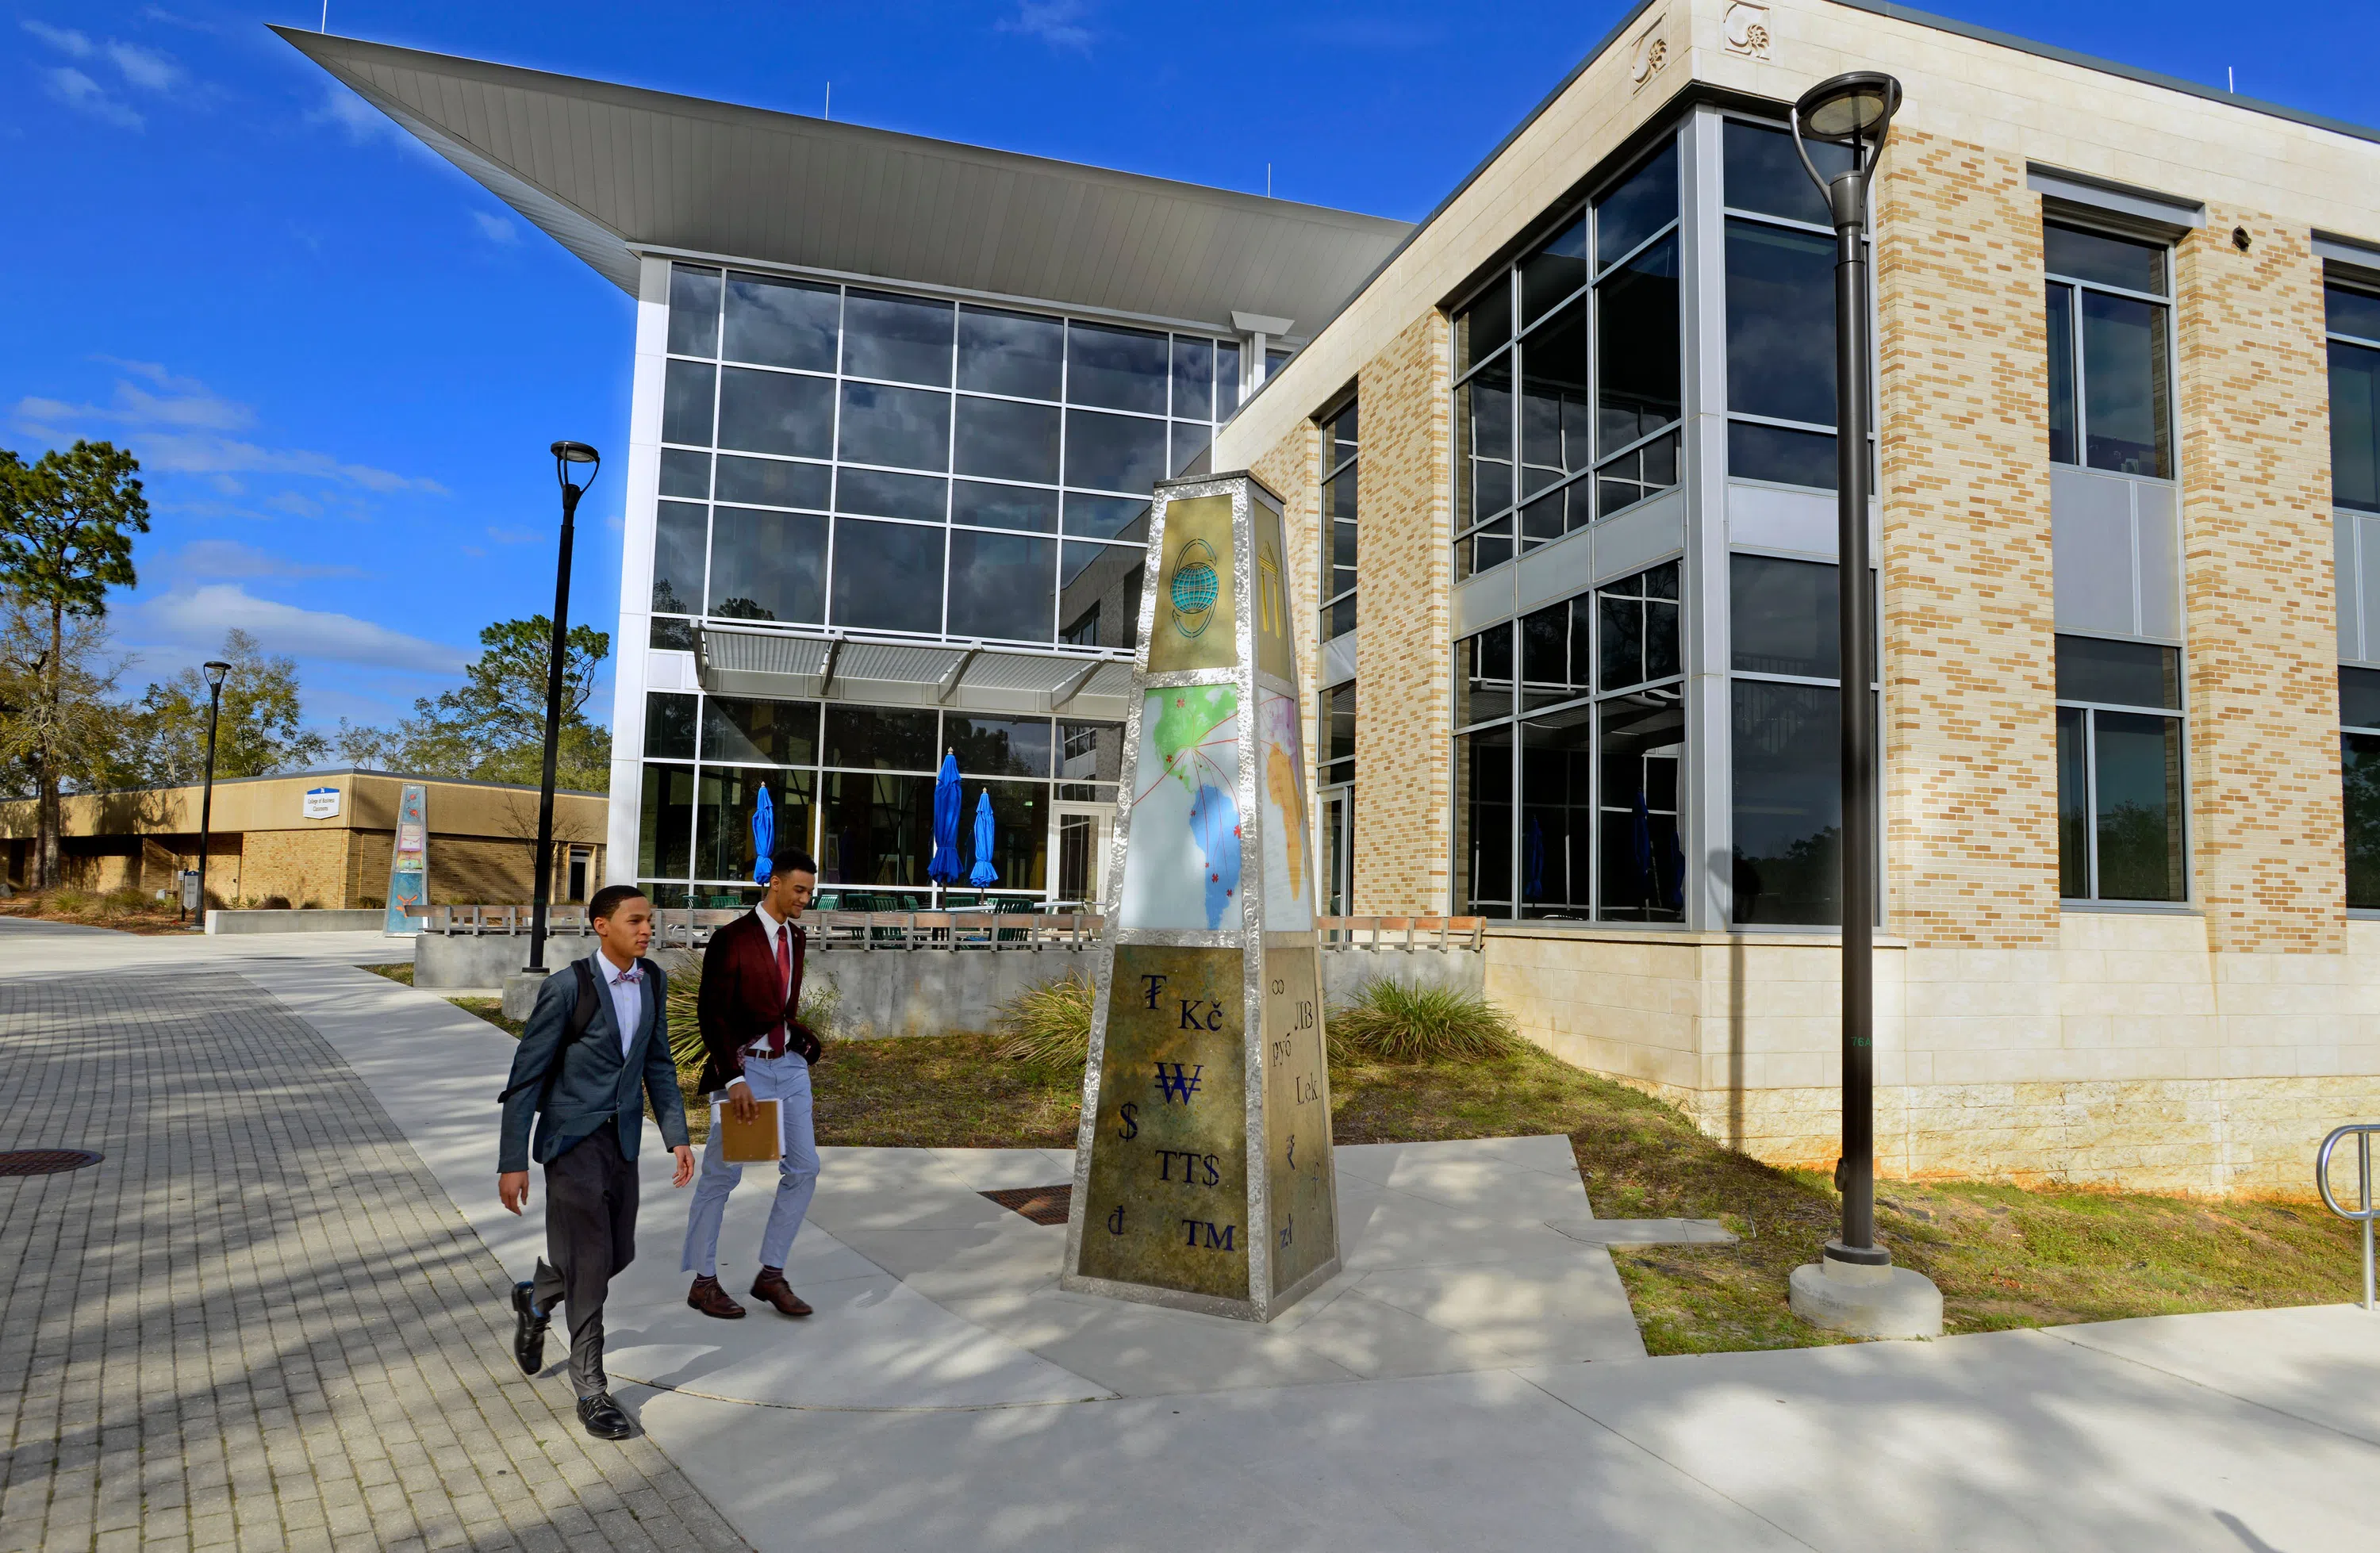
x,y
628,997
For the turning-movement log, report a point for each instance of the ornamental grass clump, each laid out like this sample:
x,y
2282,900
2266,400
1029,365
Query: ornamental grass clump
x,y
1394,1023
1049,1026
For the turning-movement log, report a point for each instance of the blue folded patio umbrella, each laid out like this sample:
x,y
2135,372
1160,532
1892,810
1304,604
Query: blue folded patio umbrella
x,y
764,835
983,875
943,868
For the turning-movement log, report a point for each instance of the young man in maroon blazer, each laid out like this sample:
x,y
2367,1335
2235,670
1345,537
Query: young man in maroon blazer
x,y
758,1050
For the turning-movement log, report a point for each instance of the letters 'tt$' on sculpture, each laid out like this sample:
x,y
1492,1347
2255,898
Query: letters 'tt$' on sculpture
x,y
1203,1173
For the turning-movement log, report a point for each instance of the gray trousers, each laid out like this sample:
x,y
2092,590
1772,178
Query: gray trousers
x,y
590,1238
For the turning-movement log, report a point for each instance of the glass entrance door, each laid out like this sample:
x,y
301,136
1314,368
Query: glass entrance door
x,y
1082,850
1338,849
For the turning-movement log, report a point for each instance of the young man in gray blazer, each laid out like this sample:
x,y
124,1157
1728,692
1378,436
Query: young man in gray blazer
x,y
584,1080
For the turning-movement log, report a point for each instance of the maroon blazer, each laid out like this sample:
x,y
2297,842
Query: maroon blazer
x,y
739,1002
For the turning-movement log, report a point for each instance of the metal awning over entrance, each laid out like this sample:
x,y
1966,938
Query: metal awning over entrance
x,y
795,666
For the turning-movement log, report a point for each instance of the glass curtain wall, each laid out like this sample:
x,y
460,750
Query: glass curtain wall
x,y
2352,322
1335,799
2110,341
1785,735
889,463
2358,760
1779,261
1568,398
854,785
1571,738
2121,771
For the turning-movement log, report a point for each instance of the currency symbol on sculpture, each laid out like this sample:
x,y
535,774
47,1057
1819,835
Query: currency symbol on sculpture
x,y
1178,1084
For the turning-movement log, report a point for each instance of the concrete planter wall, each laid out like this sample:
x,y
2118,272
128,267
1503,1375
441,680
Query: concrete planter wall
x,y
295,920
929,991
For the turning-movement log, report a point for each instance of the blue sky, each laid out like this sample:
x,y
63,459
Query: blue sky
x,y
340,360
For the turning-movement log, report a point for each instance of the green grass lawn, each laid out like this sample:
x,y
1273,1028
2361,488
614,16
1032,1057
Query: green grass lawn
x,y
2002,1255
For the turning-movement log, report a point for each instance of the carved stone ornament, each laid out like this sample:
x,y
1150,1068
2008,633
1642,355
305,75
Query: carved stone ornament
x,y
1746,29
1652,52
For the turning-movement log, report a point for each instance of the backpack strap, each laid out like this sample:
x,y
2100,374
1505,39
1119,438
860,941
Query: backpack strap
x,y
582,1016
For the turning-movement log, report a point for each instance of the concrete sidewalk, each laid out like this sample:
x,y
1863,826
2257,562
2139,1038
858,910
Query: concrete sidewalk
x,y
945,1396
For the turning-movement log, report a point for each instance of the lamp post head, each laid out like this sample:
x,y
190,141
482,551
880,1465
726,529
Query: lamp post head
x,y
568,454
215,669
1849,107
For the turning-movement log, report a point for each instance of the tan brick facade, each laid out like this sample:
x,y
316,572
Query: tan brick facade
x,y
2266,841
1970,734
2206,1049
1405,747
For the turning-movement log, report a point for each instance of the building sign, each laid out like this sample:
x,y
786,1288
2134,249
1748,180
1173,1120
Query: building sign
x,y
321,803
409,866
1203,1171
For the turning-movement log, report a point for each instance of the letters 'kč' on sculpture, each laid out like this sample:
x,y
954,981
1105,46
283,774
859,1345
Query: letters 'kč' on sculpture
x,y
1203,1174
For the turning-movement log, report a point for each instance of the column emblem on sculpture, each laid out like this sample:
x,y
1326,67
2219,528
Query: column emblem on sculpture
x,y
1203,1173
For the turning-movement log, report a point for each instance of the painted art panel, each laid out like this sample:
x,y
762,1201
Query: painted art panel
x,y
1196,623
1276,652
1166,1201
1181,855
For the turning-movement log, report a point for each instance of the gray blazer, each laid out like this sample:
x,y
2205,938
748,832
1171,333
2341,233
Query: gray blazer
x,y
595,1084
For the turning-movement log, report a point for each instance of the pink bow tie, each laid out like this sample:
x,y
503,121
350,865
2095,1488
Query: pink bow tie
x,y
630,976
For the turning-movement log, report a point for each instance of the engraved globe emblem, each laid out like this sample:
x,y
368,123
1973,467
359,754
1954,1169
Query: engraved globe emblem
x,y
1195,587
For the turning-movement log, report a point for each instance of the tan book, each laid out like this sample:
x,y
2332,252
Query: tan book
x,y
761,1141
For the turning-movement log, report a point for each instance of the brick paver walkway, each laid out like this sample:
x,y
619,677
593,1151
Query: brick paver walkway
x,y
261,1323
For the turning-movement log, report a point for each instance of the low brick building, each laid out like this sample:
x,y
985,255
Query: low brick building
x,y
318,839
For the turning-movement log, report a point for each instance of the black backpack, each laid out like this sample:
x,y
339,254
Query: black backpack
x,y
582,1016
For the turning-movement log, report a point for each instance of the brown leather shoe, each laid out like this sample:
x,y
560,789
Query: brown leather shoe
x,y
708,1297
771,1286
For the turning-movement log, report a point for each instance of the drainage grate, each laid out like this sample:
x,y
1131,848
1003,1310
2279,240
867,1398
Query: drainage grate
x,y
51,1161
1043,1205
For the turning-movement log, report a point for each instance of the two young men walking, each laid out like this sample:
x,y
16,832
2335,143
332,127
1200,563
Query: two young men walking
x,y
596,1048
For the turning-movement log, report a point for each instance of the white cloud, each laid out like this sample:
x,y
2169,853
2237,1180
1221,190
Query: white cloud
x,y
357,119
150,69
496,229
1058,23
198,617
514,536
229,558
66,40
81,93
182,432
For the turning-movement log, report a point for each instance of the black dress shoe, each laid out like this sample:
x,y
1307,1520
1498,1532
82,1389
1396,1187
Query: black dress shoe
x,y
604,1419
528,1330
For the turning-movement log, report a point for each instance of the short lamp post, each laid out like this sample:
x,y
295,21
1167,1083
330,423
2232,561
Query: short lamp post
x,y
1854,1287
216,672
565,456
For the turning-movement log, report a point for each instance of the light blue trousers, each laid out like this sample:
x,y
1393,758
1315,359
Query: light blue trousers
x,y
785,1080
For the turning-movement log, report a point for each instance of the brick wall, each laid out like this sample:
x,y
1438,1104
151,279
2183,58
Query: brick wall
x,y
2262,680
1970,734
1404,755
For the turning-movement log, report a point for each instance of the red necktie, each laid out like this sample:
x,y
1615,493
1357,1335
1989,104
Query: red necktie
x,y
784,981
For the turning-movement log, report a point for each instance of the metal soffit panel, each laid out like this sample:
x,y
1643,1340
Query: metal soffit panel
x,y
741,661
606,169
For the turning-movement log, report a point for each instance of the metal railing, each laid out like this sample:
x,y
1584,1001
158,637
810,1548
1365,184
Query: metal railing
x,y
1407,933
473,922
2366,1209
691,926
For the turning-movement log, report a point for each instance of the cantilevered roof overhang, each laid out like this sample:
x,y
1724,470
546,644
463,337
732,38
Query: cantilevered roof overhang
x,y
611,172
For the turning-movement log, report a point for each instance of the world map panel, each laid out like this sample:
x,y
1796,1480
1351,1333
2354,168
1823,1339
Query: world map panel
x,y
1181,859
1297,1120
1166,1202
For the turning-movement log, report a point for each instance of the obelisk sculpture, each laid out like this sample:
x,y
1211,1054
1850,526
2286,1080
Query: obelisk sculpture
x,y
1203,1175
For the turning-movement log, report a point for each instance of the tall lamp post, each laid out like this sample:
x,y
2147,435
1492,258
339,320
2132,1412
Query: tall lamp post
x,y
1853,1286
216,672
566,456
